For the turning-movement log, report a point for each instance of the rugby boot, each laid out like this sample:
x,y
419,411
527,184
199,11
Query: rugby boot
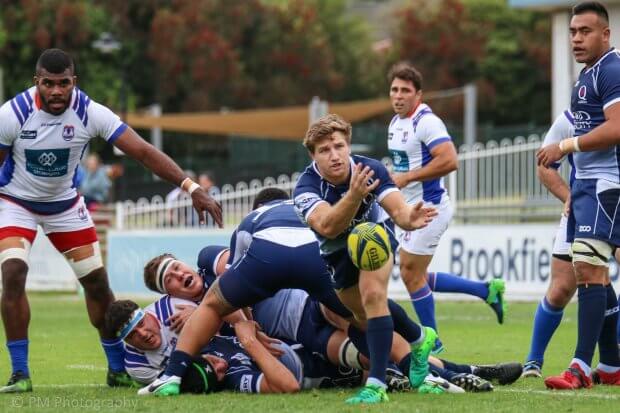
x,y
495,299
170,386
418,369
503,373
610,379
573,378
18,383
532,369
369,394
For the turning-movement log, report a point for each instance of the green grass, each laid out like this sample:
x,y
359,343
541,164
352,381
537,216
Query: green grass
x,y
68,369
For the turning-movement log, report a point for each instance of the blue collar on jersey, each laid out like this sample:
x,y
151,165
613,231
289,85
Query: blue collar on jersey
x,y
136,317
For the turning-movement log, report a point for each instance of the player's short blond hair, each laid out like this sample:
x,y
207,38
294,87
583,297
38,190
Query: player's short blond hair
x,y
324,128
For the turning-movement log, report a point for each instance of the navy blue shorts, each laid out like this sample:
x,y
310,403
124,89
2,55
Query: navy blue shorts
x,y
314,330
267,268
595,211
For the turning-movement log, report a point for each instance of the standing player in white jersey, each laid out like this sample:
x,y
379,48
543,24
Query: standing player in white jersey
x,y
422,154
43,134
563,283
595,196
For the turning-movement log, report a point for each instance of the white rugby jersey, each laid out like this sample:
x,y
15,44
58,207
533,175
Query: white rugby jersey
x,y
410,141
44,149
145,366
562,128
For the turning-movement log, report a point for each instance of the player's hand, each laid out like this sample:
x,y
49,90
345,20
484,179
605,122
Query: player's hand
x,y
420,216
270,343
204,202
548,155
180,317
361,183
400,179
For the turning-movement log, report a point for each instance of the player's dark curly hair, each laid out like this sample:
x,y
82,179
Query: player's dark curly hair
x,y
592,7
150,270
405,71
268,195
55,61
118,314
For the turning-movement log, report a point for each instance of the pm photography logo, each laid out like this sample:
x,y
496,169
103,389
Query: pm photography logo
x,y
64,402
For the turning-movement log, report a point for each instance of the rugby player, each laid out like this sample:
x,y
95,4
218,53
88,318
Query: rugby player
x,y
334,194
44,132
595,194
422,154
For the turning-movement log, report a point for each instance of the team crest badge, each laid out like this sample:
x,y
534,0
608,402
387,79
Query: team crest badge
x,y
82,213
582,92
68,132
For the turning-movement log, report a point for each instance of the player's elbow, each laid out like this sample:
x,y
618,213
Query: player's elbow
x,y
452,164
327,229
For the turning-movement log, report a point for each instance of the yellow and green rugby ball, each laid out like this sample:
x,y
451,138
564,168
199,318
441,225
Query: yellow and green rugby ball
x,y
368,246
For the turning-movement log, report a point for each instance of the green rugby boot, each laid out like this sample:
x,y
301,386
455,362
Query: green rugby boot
x,y
418,369
18,383
369,394
495,299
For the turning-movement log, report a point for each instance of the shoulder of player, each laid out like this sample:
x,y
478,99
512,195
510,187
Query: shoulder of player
x,y
609,64
19,108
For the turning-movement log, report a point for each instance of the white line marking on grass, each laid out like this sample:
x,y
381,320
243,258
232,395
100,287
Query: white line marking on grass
x,y
568,393
91,367
67,386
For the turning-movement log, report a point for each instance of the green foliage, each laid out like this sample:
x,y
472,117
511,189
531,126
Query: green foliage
x,y
504,50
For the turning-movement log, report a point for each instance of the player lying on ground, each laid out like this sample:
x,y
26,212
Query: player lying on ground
x,y
151,339
44,132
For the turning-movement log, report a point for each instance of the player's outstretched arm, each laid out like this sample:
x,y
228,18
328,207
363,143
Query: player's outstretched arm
x,y
277,378
164,167
331,220
408,217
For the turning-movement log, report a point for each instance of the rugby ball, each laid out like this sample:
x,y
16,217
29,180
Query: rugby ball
x,y
368,246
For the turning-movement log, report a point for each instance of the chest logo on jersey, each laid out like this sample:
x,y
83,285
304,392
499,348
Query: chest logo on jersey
x,y
68,132
581,94
390,136
405,136
28,134
47,162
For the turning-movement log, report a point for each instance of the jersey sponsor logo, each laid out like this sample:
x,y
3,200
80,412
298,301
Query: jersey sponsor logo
x,y
52,123
585,228
47,162
390,136
582,120
303,201
82,213
581,93
68,132
400,160
246,383
405,136
28,134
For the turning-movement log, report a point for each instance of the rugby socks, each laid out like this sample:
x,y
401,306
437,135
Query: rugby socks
x,y
443,373
443,282
358,338
114,350
592,300
405,364
424,306
379,334
403,325
177,364
18,350
608,340
546,321
459,368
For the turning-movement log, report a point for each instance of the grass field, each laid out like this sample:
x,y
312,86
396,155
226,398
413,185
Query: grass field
x,y
68,369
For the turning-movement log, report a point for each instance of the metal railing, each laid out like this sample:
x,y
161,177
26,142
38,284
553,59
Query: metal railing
x,y
495,182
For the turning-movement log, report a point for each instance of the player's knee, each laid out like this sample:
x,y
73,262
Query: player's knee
x,y
373,296
14,253
560,296
85,260
96,285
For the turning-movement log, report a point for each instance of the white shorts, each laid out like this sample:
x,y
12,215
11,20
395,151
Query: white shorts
x,y
560,245
424,241
67,230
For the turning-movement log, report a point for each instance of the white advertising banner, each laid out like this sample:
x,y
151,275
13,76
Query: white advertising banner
x,y
519,253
